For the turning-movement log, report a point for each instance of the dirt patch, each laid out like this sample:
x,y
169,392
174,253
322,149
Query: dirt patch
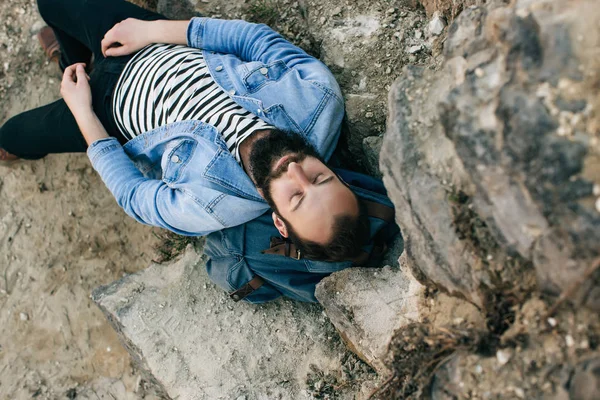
x,y
534,358
61,235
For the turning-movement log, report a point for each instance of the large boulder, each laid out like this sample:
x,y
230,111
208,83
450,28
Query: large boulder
x,y
368,306
193,342
493,161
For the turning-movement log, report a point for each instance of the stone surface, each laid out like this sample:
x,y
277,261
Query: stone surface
x,y
372,148
449,8
436,25
196,343
537,363
176,9
367,307
491,161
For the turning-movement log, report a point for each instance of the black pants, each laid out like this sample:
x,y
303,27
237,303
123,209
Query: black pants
x,y
79,26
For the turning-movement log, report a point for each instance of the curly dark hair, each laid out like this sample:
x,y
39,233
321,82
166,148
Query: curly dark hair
x,y
350,234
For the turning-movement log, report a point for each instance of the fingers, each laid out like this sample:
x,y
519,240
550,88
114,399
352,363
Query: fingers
x,y
81,75
110,39
73,73
105,44
69,74
117,51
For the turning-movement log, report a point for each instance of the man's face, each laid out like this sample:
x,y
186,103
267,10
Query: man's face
x,y
299,187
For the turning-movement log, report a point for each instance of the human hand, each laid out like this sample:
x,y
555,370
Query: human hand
x,y
75,90
126,37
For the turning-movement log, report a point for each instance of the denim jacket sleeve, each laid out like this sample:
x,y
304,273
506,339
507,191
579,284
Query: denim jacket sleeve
x,y
257,42
149,201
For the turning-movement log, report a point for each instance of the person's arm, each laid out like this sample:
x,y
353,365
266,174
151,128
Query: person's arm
x,y
76,92
257,42
248,41
132,34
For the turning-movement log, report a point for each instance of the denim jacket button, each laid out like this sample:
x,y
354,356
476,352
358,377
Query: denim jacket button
x,y
232,92
264,70
219,68
175,158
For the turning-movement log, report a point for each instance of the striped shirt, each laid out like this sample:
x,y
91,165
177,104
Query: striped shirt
x,y
164,83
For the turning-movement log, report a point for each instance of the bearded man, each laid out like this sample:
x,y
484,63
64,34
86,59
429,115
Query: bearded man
x,y
196,126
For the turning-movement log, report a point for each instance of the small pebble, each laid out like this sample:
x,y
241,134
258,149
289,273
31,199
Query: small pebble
x,y
552,322
479,72
436,25
569,341
415,49
520,393
23,316
108,349
503,356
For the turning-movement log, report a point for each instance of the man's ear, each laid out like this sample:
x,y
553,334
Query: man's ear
x,y
280,225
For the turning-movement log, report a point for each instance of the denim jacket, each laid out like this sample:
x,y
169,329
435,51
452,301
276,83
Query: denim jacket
x,y
181,176
235,254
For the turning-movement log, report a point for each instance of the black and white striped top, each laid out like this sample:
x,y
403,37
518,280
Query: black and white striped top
x,y
170,83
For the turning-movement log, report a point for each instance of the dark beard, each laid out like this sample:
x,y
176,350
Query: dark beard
x,y
267,150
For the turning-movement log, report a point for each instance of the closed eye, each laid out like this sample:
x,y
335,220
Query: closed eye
x,y
294,195
323,182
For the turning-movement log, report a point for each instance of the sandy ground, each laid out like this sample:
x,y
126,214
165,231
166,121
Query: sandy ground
x,y
61,235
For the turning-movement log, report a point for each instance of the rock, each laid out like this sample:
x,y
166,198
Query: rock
x,y
368,305
585,384
23,316
237,349
176,9
415,49
503,356
436,25
511,374
475,162
447,8
372,148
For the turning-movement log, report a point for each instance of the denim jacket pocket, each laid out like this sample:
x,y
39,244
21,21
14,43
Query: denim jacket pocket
x,y
175,161
277,115
262,74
